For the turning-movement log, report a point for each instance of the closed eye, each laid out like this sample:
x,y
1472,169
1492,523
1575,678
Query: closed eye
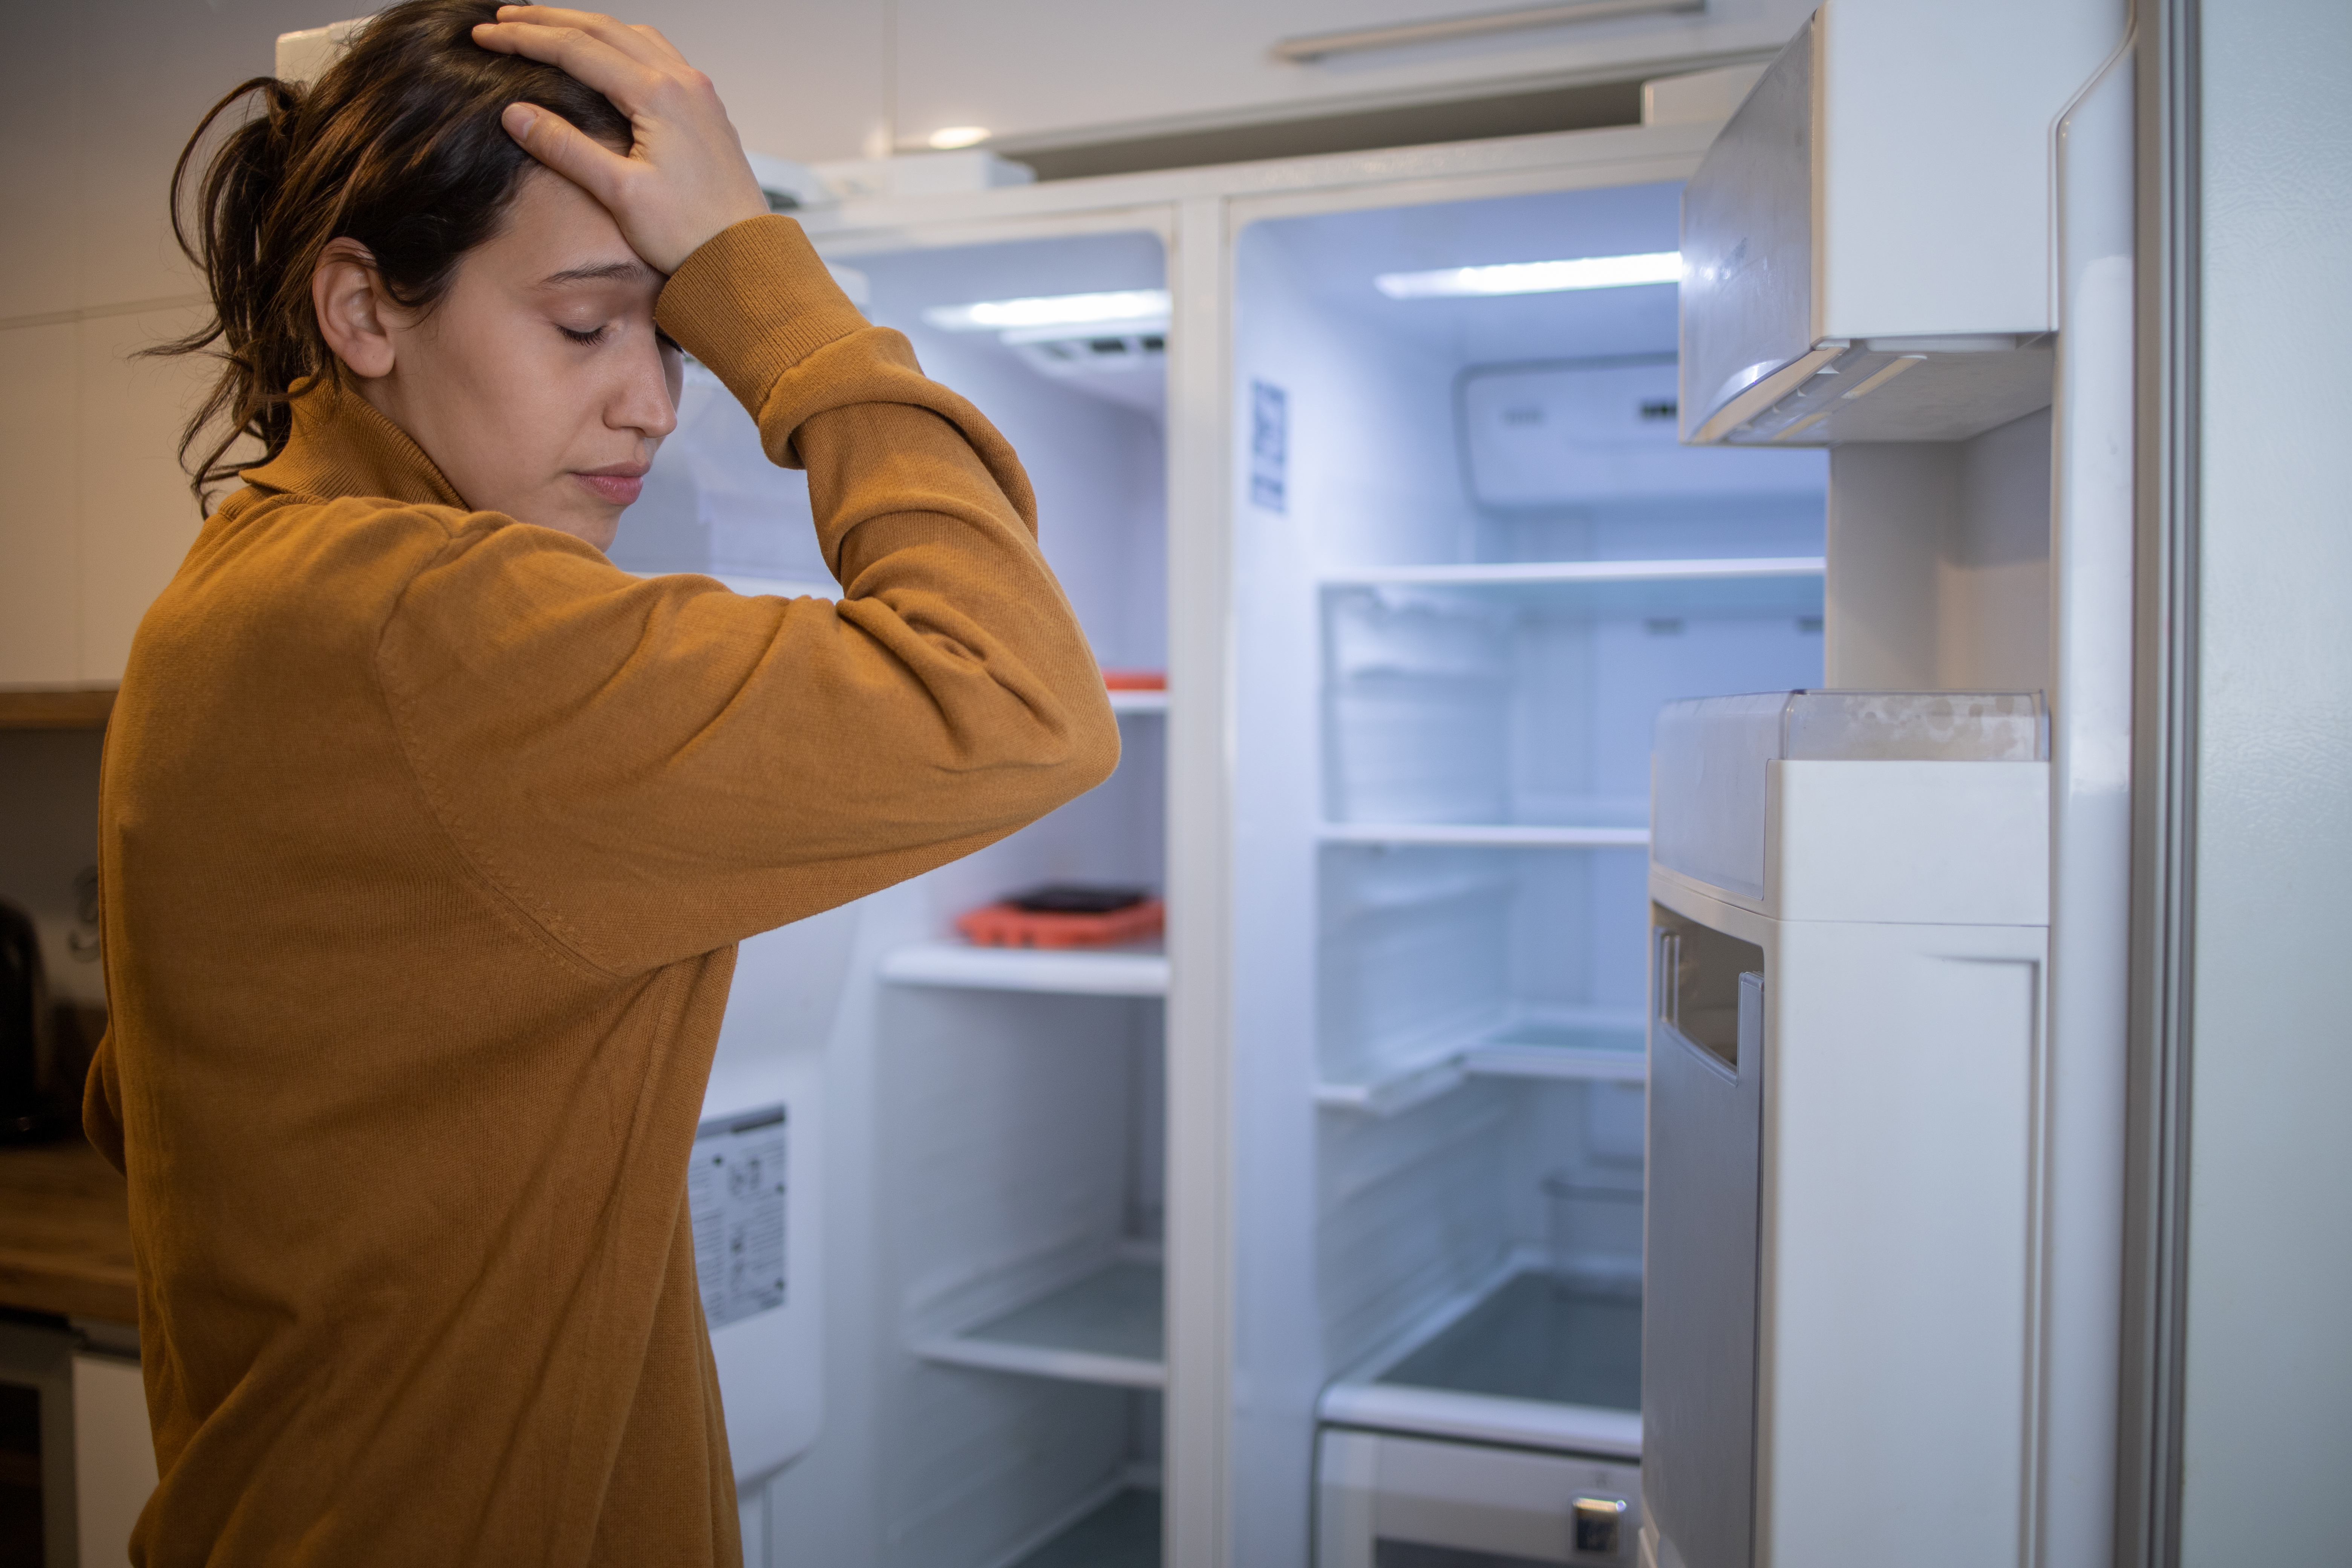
x,y
584,338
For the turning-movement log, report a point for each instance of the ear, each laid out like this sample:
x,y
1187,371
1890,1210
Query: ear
x,y
354,315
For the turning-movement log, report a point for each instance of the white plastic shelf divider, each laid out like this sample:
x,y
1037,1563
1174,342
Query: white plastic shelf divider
x,y
1106,1327
1506,1061
1490,1053
1125,702
1788,584
1485,835
1073,972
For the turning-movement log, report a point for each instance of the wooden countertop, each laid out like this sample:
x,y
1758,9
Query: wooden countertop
x,y
65,1232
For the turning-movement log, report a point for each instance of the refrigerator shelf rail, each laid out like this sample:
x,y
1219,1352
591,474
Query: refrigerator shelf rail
x,y
1106,1327
1485,835
1068,972
1605,1049
1762,585
1139,704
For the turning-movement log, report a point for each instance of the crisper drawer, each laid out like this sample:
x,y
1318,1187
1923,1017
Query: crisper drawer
x,y
1385,1501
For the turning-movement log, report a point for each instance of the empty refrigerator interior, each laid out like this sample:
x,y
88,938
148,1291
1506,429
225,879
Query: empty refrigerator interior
x,y
1472,560
1019,1124
1000,1160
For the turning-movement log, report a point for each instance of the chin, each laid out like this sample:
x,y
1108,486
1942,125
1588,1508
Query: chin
x,y
596,528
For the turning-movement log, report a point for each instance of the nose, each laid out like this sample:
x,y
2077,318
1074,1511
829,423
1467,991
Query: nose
x,y
643,400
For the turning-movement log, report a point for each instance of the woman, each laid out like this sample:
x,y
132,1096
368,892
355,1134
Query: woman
x,y
428,834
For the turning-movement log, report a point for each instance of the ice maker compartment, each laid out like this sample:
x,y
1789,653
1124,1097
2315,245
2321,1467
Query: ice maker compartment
x,y
1710,756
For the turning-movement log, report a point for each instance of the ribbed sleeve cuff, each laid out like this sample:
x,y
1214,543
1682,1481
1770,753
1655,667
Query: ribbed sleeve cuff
x,y
754,301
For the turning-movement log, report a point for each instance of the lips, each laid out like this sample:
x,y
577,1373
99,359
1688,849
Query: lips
x,y
616,484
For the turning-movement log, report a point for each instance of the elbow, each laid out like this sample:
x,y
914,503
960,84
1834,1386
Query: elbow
x,y
1093,745
1082,754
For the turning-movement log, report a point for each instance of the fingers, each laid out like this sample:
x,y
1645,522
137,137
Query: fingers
x,y
562,147
653,36
599,61
620,37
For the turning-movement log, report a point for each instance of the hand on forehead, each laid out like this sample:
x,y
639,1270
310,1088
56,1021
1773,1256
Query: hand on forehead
x,y
685,177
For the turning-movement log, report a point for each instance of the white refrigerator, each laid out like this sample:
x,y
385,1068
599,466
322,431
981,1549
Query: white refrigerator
x,y
1314,1234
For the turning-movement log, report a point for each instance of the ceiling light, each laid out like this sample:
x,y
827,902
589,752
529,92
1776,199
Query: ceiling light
x,y
1535,277
948,138
1126,307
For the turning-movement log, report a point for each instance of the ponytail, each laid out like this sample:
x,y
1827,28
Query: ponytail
x,y
397,146
227,237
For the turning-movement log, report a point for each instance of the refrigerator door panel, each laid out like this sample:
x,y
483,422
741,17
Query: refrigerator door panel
x,y
1698,1352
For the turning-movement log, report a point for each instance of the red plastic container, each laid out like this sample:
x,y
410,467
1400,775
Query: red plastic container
x,y
1007,924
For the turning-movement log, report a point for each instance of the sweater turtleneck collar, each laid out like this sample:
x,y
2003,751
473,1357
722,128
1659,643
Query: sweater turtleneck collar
x,y
342,445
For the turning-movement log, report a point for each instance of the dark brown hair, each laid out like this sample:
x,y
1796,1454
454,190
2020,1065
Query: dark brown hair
x,y
398,146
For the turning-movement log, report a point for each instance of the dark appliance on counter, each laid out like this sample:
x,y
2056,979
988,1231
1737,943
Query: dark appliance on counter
x,y
30,1095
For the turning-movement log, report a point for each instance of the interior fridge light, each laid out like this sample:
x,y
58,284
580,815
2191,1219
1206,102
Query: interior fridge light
x,y
1535,277
1123,307
949,137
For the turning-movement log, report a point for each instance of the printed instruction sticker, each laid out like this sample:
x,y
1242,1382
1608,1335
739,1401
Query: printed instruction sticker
x,y
1269,446
735,1197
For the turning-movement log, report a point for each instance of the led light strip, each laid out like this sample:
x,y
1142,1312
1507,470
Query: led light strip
x,y
1534,276
1130,307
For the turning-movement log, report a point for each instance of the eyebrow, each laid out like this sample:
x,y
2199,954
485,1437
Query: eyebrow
x,y
601,271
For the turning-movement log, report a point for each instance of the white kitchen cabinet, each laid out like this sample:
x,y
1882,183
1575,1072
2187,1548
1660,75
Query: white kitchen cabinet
x,y
98,514
1066,72
40,515
138,517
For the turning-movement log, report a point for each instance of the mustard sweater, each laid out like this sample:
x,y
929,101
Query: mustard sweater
x,y
427,836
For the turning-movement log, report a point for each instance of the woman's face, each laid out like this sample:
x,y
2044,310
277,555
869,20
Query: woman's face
x,y
537,383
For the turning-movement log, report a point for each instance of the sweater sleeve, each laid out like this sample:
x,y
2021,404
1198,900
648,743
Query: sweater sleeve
x,y
651,769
